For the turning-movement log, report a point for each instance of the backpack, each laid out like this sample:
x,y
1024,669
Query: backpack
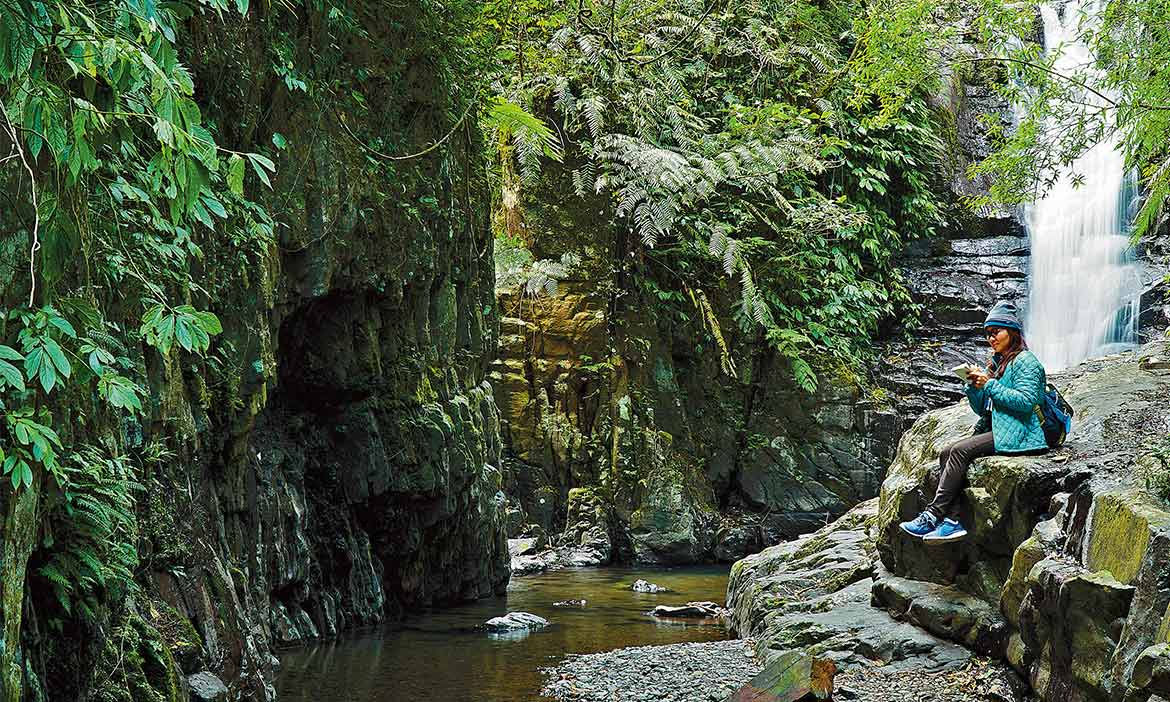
x,y
1055,415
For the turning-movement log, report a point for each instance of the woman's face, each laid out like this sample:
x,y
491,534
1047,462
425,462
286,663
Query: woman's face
x,y
998,338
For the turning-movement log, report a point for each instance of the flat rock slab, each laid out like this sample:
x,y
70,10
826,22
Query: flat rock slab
x,y
844,626
691,610
556,559
945,612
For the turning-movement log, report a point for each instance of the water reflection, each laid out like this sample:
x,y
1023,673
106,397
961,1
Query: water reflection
x,y
443,656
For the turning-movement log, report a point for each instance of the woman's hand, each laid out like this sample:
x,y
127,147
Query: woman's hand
x,y
977,378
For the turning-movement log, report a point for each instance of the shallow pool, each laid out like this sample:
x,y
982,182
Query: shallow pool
x,y
443,656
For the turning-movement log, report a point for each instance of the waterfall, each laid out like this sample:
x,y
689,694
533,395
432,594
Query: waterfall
x,y
1084,286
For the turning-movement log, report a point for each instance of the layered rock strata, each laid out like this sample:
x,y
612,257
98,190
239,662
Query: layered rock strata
x,y
707,467
1062,575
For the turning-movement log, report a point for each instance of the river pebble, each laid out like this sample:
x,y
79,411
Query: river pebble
x,y
687,672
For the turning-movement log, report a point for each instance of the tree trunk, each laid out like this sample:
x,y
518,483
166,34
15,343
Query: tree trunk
x,y
19,533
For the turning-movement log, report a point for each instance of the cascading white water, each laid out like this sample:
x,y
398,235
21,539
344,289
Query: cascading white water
x,y
1083,291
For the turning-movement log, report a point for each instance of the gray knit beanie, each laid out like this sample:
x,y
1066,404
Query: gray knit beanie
x,y
1004,315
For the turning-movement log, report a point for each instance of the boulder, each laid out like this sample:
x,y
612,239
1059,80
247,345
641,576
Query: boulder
x,y
691,610
1152,669
1043,542
734,540
522,547
1006,497
205,686
513,621
812,565
644,586
672,525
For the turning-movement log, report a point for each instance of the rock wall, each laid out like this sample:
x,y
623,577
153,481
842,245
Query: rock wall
x,y
1062,575
336,464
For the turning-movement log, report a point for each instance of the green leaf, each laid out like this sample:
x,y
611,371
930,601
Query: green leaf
x,y
120,392
278,140
26,474
152,316
166,334
49,434
11,375
58,357
235,176
63,324
182,333
260,164
215,206
32,362
209,323
47,376
200,213
11,354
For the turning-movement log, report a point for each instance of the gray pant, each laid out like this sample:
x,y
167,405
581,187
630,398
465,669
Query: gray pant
x,y
953,464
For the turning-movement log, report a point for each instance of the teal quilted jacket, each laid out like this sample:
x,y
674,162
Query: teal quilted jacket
x,y
1014,397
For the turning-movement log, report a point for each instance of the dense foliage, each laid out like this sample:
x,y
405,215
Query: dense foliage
x,y
726,137
1119,93
116,187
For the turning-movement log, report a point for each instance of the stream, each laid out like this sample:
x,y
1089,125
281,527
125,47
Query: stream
x,y
442,655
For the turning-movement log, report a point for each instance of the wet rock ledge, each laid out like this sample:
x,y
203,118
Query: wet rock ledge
x,y
1063,582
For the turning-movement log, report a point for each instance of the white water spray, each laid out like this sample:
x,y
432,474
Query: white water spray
x,y
1084,287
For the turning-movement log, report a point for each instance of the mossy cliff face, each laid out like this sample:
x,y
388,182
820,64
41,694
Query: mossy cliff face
x,y
1062,575
605,386
338,463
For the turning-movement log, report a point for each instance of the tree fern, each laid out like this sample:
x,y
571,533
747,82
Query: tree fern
x,y
94,527
727,131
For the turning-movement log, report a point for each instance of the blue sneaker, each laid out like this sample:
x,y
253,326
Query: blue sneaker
x,y
921,525
949,530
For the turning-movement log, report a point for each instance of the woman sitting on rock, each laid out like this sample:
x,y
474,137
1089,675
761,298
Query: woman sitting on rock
x,y
1010,389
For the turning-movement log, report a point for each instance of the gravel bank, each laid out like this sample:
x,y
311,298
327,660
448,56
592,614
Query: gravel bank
x,y
709,672
688,672
981,680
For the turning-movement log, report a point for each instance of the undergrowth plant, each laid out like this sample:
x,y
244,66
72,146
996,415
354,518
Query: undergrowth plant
x,y
115,186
